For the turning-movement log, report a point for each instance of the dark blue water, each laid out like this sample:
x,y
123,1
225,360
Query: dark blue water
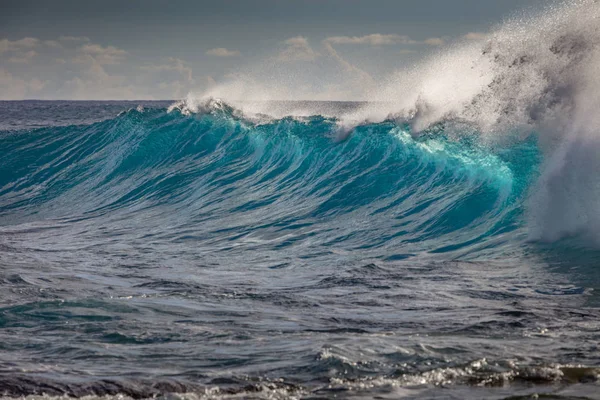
x,y
151,253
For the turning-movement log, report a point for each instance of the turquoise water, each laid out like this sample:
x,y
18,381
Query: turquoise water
x,y
149,252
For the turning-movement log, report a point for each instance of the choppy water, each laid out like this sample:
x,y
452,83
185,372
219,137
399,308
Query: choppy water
x,y
147,251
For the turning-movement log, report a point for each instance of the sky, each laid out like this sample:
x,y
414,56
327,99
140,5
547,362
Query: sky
x,y
155,49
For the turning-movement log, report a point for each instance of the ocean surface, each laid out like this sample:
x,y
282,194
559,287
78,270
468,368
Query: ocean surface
x,y
439,240
147,250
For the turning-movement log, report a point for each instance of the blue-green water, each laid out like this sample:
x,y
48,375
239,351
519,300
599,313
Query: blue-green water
x,y
145,252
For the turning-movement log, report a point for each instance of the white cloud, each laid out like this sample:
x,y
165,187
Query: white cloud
x,y
53,43
28,42
209,81
95,83
175,77
104,55
98,89
378,39
434,42
223,52
35,85
297,49
78,39
17,45
16,88
77,68
11,87
475,36
375,39
23,58
73,67
21,51
173,65
363,77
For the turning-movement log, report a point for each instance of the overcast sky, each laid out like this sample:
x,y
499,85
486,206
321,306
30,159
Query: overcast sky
x,y
151,49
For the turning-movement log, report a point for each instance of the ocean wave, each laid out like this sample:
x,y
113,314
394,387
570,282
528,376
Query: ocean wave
x,y
216,164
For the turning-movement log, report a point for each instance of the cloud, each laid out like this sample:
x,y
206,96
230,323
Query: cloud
x,y
16,45
104,55
73,67
434,42
297,49
23,58
173,65
378,39
375,39
475,36
98,89
76,67
94,83
74,39
28,42
362,76
222,52
175,78
35,85
52,43
16,88
11,87
20,51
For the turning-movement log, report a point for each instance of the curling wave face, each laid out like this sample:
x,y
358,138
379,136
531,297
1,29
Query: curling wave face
x,y
282,183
